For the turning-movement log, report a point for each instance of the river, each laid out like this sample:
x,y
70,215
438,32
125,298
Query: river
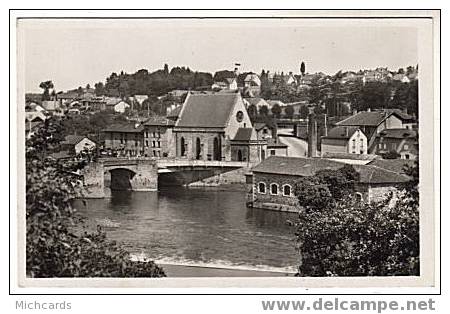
x,y
196,227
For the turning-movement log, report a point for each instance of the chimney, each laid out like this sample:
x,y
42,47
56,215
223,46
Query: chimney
x,y
325,125
312,136
355,111
346,131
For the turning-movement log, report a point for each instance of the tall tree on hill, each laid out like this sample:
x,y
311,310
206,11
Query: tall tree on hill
x,y
166,69
263,111
46,86
289,111
252,111
302,68
276,110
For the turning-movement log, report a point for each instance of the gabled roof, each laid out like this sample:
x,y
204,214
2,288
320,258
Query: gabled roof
x,y
402,115
243,135
398,133
260,125
350,156
364,118
255,101
124,128
207,110
295,166
369,174
396,165
158,121
375,175
73,139
341,132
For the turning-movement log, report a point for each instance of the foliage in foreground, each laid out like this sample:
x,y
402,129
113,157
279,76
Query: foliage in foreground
x,y
350,238
54,246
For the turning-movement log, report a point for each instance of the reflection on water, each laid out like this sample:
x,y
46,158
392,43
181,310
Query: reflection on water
x,y
196,226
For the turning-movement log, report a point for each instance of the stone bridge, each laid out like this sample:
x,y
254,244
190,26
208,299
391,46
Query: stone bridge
x,y
146,174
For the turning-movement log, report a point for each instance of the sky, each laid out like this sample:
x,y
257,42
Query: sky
x,y
75,53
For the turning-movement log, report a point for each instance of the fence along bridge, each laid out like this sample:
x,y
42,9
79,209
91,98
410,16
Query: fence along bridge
x,y
146,174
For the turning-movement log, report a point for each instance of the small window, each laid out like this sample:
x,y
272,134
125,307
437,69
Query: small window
x,y
262,188
159,144
274,189
287,190
153,144
146,143
272,152
406,156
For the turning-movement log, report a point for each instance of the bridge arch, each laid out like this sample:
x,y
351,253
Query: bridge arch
x,y
121,178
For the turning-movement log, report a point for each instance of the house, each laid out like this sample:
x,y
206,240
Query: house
x,y
408,121
158,137
372,122
264,131
398,142
276,148
50,105
75,144
35,116
121,107
32,106
245,146
252,84
228,83
207,124
125,139
272,182
352,159
257,102
344,139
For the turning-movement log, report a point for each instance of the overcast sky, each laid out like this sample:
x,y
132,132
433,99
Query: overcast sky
x,y
74,53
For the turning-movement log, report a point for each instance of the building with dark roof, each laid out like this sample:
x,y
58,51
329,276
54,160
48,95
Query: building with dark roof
x,y
125,139
158,137
75,144
397,143
344,139
209,124
372,123
272,182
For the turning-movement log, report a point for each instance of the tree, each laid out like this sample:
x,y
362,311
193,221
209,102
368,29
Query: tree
x,y
302,68
289,111
263,111
325,187
88,87
347,237
276,110
166,69
46,86
252,111
303,112
56,244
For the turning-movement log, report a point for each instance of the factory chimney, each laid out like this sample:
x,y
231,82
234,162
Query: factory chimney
x,y
312,135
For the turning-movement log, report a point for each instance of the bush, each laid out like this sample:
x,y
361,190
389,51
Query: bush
x,y
349,238
54,245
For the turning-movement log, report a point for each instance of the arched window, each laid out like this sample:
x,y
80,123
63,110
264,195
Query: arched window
x,y
287,190
262,188
274,189
359,196
183,146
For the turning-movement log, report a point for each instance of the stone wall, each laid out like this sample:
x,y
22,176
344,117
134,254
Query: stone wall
x,y
274,201
93,181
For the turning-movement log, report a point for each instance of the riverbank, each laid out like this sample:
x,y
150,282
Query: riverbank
x,y
199,271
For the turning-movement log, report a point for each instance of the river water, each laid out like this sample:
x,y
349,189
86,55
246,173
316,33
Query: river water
x,y
198,227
